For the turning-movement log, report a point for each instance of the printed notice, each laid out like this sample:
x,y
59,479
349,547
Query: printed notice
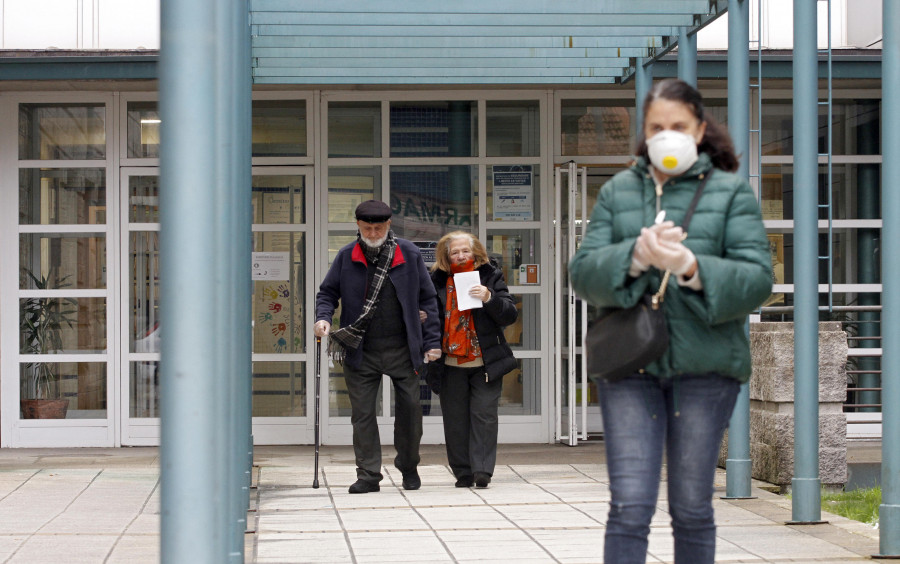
x,y
271,266
463,282
513,193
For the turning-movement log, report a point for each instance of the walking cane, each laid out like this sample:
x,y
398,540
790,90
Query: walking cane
x,y
318,387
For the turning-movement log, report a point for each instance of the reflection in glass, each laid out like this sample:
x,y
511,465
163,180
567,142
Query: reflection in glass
x,y
354,129
279,199
62,131
855,192
336,241
522,389
82,383
143,268
430,201
597,127
513,128
144,389
350,186
142,130
70,196
434,129
855,127
512,248
62,260
75,325
847,260
513,192
143,199
279,389
278,312
525,333
279,128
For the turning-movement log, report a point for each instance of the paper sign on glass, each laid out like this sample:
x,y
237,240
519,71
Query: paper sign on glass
x,y
463,282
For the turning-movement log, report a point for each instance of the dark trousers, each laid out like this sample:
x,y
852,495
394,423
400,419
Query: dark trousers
x,y
362,386
469,406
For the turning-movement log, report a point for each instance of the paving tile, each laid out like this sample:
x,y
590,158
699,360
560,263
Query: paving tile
x,y
313,548
473,517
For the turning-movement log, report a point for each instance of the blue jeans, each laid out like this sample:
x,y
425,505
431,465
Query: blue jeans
x,y
642,415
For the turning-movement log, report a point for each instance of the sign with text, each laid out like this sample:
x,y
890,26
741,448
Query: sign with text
x,y
271,266
513,193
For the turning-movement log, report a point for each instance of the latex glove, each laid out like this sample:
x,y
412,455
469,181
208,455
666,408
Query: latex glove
x,y
670,256
671,234
422,316
640,258
322,328
432,354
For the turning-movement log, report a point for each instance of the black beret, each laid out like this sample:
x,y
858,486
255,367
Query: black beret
x,y
373,211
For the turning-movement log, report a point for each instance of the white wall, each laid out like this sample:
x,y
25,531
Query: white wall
x,y
134,24
854,23
79,24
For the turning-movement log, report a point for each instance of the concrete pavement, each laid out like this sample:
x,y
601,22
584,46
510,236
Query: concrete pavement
x,y
547,503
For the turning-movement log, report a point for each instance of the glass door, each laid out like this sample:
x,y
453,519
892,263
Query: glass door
x,y
139,370
577,405
282,358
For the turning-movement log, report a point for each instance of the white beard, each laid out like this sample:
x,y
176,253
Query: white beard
x,y
374,243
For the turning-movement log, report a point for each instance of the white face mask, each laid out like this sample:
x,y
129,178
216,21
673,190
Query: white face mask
x,y
672,152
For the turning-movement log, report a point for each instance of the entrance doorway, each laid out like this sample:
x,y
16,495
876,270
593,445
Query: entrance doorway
x,y
577,405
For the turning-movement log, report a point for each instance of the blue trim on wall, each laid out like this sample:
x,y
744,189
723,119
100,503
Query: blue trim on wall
x,y
144,67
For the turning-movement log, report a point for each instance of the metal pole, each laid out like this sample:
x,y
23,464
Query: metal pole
x,y
687,53
234,111
738,466
191,499
643,81
806,501
889,511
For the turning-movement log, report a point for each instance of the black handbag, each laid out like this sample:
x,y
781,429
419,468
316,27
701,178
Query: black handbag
x,y
632,337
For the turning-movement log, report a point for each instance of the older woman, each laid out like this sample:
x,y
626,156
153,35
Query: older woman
x,y
469,375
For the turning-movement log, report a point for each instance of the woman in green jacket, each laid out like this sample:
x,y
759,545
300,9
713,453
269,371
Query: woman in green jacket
x,y
679,404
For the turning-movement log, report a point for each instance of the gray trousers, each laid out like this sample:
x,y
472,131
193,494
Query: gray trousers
x,y
469,405
363,386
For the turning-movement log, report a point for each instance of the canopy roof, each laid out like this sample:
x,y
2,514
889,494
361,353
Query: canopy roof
x,y
466,41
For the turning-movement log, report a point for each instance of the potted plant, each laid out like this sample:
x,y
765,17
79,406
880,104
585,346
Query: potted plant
x,y
40,327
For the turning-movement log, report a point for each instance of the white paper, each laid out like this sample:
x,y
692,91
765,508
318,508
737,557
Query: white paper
x,y
463,282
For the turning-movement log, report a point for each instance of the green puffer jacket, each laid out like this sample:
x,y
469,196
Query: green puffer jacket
x,y
726,234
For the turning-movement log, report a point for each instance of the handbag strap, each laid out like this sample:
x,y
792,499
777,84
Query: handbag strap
x,y
660,295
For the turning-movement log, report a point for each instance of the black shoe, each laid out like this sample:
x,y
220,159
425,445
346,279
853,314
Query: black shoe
x,y
465,482
411,480
482,479
362,486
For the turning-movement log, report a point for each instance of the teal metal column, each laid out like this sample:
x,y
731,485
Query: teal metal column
x,y
867,243
197,219
738,466
643,81
687,54
234,114
806,501
889,511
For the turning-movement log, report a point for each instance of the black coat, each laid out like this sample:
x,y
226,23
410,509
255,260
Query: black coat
x,y
489,320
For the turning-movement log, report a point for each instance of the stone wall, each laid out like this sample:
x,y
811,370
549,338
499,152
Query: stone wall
x,y
772,403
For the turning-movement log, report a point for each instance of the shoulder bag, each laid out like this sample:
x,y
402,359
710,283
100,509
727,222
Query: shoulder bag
x,y
628,339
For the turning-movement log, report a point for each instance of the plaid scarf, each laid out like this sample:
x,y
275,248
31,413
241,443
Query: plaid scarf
x,y
349,338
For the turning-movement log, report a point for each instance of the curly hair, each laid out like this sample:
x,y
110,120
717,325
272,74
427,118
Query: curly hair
x,y
716,141
442,253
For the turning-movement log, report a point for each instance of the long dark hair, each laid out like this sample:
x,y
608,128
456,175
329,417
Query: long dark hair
x,y
716,141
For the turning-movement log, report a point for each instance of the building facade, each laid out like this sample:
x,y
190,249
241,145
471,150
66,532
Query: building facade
x,y
79,195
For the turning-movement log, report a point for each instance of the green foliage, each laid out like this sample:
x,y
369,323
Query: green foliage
x,y
40,326
859,505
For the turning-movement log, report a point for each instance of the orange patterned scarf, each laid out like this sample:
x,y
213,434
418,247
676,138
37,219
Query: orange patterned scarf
x,y
460,340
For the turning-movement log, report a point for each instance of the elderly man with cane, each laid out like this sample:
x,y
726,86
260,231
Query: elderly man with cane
x,y
382,285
